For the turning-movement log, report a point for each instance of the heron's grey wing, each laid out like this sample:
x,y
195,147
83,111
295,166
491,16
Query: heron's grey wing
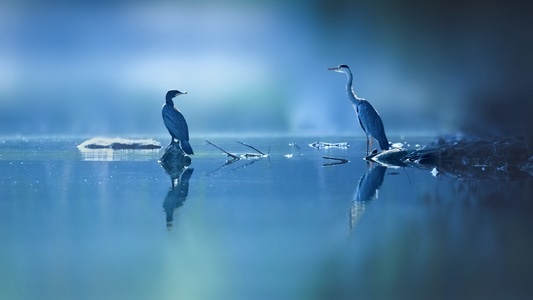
x,y
176,123
360,122
370,120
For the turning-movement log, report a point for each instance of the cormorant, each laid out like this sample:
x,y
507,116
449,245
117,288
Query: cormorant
x,y
175,122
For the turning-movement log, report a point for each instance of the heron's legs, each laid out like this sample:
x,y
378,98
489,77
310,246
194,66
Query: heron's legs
x,y
367,142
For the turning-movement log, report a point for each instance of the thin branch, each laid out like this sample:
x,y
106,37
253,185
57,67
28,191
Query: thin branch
x,y
252,147
227,153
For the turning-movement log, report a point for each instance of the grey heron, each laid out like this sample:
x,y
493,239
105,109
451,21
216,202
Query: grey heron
x,y
175,122
368,117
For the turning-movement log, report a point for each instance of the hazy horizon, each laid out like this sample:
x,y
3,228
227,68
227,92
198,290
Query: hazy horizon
x,y
98,69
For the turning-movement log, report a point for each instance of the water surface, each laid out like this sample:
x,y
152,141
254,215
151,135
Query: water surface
x,y
110,225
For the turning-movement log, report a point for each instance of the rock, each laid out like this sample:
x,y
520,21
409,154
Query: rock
x,y
119,144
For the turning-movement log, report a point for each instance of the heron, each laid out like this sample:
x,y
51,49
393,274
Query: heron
x,y
175,122
369,118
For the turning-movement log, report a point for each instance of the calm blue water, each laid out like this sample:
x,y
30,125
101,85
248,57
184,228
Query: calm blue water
x,y
93,226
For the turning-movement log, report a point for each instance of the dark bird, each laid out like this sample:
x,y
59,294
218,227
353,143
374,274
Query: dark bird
x,y
175,122
369,119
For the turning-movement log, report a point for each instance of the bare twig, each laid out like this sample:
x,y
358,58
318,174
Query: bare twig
x,y
235,157
252,147
252,155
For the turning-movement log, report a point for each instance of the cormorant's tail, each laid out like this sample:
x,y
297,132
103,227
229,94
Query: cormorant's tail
x,y
186,147
384,143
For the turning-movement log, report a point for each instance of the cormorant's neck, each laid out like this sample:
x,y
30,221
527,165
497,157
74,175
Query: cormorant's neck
x,y
349,89
169,101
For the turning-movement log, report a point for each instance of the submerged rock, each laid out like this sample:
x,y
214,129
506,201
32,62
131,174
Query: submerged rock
x,y
174,161
393,158
464,158
527,166
120,144
475,158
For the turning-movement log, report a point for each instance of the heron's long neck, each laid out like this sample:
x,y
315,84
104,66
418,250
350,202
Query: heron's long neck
x,y
349,89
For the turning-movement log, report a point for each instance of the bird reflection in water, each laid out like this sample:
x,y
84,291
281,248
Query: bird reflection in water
x,y
367,190
176,165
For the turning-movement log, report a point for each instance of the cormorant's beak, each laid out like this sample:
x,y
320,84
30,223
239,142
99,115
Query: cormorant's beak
x,y
336,69
182,93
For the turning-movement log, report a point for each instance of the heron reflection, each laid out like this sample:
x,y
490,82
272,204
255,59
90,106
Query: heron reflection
x,y
176,165
367,190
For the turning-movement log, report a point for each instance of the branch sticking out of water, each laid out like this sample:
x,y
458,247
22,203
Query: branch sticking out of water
x,y
233,156
251,147
259,154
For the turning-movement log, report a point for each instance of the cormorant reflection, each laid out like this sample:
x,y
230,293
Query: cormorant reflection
x,y
175,163
367,190
177,195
